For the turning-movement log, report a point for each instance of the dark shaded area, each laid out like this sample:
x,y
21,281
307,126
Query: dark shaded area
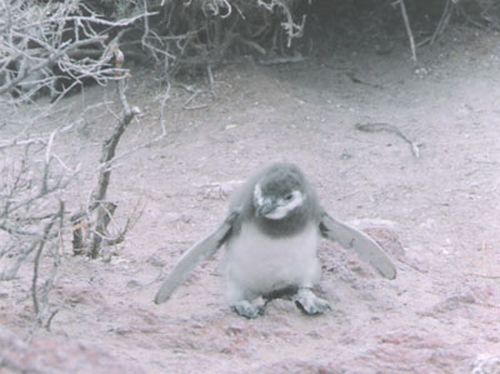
x,y
339,24
190,37
194,37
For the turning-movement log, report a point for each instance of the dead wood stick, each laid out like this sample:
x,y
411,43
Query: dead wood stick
x,y
282,60
38,255
386,127
105,209
408,30
443,21
104,213
107,155
211,80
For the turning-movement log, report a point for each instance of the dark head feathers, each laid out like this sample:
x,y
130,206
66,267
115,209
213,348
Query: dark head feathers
x,y
282,178
278,179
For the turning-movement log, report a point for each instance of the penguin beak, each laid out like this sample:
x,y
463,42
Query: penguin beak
x,y
265,209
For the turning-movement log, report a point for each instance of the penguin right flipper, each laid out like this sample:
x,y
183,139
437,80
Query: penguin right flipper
x,y
366,248
202,250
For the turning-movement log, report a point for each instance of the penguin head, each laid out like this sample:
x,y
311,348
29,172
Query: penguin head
x,y
279,193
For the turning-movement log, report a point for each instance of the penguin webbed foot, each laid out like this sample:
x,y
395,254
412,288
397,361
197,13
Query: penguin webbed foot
x,y
309,303
248,310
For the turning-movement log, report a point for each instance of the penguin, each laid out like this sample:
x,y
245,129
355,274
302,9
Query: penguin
x,y
271,234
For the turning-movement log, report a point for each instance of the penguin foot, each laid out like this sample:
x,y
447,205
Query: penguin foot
x,y
309,303
246,309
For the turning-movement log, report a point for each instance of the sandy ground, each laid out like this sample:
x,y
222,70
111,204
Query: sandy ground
x,y
436,215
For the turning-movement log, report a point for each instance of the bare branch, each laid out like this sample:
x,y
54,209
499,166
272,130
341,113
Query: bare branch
x,y
41,244
408,30
48,62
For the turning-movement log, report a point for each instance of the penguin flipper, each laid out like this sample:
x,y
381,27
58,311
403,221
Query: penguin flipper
x,y
202,250
366,248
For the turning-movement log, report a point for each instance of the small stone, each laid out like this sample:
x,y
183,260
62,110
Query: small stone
x,y
156,261
133,284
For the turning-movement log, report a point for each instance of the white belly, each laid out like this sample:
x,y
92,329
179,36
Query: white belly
x,y
258,264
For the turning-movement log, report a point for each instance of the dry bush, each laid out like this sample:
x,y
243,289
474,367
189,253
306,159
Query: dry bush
x,y
32,215
48,47
53,47
186,34
180,35
194,34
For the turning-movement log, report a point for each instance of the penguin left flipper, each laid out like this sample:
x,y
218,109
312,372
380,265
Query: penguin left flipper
x,y
202,250
366,248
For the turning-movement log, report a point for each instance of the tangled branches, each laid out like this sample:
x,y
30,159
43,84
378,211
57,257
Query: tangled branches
x,y
53,47
203,32
47,47
32,212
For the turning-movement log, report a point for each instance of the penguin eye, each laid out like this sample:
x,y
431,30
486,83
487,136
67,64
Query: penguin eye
x,y
289,197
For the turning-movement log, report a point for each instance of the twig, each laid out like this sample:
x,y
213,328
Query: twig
x,y
297,58
41,245
385,127
16,142
17,231
191,98
408,30
104,213
163,104
356,80
468,18
49,320
106,209
210,79
109,146
10,273
131,221
443,22
107,155
163,129
292,29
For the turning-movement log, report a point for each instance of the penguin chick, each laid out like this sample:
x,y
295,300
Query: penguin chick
x,y
274,241
272,235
